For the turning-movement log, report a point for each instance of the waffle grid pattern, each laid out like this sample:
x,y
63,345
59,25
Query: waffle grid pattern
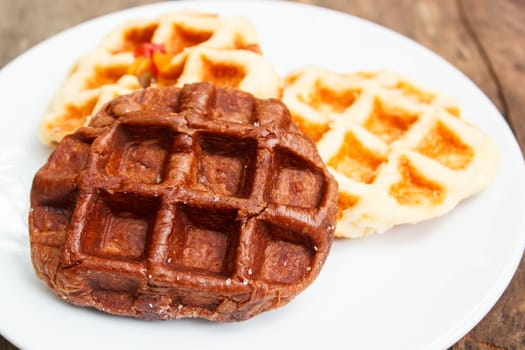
x,y
198,47
400,154
217,209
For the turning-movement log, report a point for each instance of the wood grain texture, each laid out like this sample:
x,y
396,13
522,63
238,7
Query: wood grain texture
x,y
499,27
482,38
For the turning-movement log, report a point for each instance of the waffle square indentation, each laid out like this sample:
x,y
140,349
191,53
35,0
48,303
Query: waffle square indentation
x,y
183,37
285,257
139,153
345,202
77,150
314,129
226,165
234,106
136,36
414,189
119,226
222,73
50,224
389,124
446,147
355,161
296,182
106,75
204,240
326,99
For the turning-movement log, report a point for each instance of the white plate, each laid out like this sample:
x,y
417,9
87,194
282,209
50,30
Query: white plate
x,y
416,287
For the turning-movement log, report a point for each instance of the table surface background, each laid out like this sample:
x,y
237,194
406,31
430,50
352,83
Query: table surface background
x,y
482,38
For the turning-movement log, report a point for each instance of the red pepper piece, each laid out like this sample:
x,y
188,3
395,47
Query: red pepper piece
x,y
147,49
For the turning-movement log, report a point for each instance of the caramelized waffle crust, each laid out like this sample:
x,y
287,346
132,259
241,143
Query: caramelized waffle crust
x,y
194,202
173,49
401,154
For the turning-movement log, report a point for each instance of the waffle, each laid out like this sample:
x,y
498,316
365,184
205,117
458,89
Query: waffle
x,y
401,154
194,202
174,49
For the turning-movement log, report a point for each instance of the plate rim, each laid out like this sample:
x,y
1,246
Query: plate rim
x,y
497,289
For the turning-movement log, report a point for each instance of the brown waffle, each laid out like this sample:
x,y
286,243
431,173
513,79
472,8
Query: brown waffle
x,y
173,49
400,153
193,202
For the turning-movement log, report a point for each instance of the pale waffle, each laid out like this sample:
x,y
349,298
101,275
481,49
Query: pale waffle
x,y
191,47
400,153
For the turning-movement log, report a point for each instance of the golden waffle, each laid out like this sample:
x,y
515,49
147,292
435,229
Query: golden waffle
x,y
400,154
173,49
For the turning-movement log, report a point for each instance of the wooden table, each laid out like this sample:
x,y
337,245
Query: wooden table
x,y
483,38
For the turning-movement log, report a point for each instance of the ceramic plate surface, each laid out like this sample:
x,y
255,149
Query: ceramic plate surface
x,y
415,287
